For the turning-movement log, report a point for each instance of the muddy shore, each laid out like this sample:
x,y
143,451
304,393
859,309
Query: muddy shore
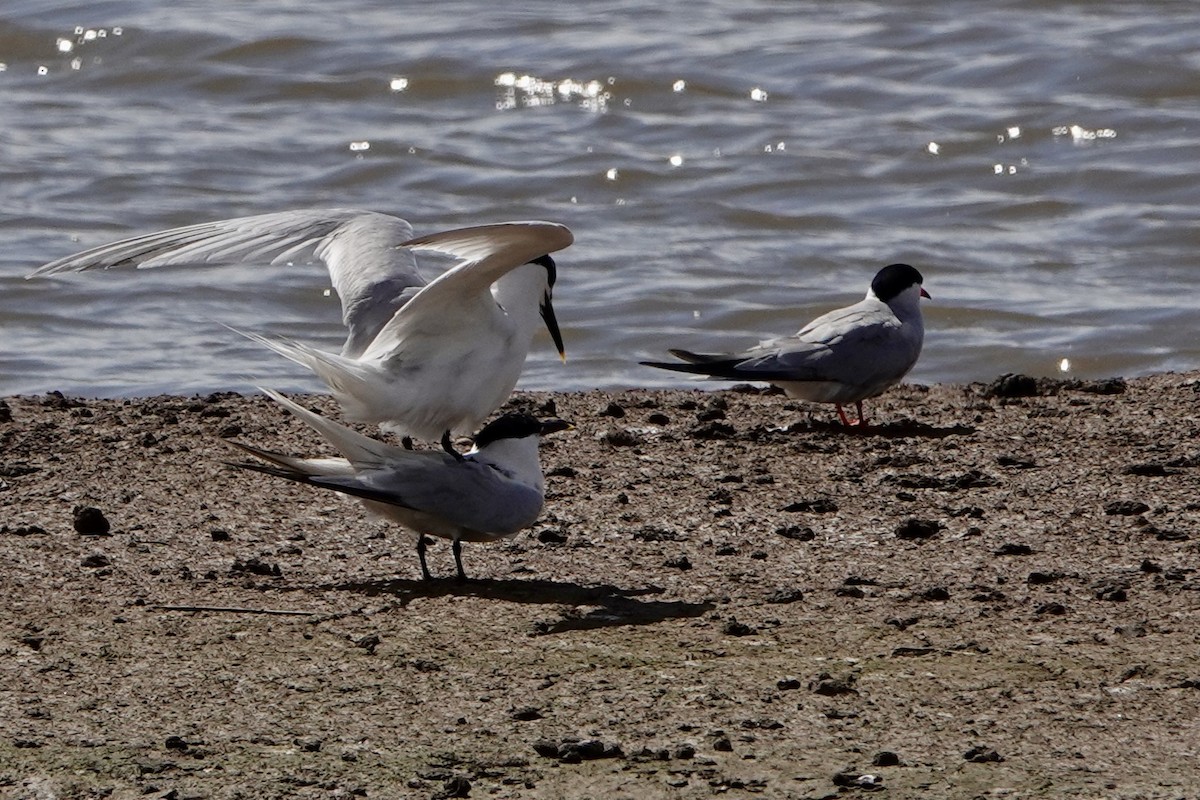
x,y
991,593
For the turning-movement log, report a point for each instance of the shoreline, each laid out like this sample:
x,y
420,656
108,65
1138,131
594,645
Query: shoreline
x,y
726,592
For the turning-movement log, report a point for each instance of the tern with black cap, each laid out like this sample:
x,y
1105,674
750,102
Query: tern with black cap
x,y
846,356
423,359
493,491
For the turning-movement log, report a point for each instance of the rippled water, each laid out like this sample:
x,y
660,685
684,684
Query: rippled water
x,y
729,169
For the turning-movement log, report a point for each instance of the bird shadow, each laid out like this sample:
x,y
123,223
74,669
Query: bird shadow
x,y
905,429
587,606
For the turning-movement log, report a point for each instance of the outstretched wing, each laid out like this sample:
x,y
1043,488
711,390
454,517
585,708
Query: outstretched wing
x,y
488,252
370,270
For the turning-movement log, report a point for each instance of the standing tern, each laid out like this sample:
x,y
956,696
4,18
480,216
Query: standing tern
x,y
421,358
845,356
491,492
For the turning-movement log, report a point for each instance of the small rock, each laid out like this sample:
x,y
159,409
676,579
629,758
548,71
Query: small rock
x,y
913,528
819,505
712,430
684,752
526,713
852,779
369,643
936,594
678,562
621,437
95,561
1042,578
734,628
176,743
1053,609
982,755
613,410
1125,508
219,535
90,521
658,418
546,748
829,686
1011,549
1104,386
256,567
1010,385
1149,470
551,536
783,596
722,744
1113,592
457,786
885,758
23,530
787,684
800,533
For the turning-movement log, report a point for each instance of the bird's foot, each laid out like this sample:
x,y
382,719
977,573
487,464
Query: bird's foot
x,y
448,446
842,415
461,577
422,542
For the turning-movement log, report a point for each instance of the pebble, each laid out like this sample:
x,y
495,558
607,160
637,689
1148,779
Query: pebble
x,y
917,529
90,521
982,755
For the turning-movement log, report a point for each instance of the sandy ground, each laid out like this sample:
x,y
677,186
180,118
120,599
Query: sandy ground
x,y
991,594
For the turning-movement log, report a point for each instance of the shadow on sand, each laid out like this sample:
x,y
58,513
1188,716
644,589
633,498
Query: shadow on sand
x,y
905,429
589,607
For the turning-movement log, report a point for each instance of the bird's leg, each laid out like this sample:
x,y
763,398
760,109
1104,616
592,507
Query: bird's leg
x,y
422,541
457,547
862,421
448,446
842,414
407,442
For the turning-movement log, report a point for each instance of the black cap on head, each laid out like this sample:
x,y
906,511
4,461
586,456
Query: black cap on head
x,y
517,426
551,269
894,279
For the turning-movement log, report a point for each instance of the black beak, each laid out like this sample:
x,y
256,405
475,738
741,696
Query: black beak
x,y
552,326
554,424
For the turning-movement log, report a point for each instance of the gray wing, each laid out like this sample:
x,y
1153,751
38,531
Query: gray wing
x,y
372,275
468,494
845,345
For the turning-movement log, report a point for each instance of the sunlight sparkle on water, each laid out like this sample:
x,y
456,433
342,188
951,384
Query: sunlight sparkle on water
x,y
529,91
933,148
1064,365
398,84
679,86
758,95
675,160
1078,133
612,174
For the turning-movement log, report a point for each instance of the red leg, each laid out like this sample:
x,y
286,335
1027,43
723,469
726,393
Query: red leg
x,y
842,414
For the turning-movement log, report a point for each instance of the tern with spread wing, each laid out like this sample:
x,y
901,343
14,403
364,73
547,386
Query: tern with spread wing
x,y
491,492
846,356
423,359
